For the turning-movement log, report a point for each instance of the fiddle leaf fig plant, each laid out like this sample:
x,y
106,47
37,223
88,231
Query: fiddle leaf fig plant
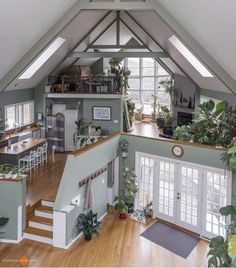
x,y
222,251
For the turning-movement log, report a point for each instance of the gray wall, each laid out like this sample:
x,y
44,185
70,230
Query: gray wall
x,y
229,97
116,113
12,195
14,96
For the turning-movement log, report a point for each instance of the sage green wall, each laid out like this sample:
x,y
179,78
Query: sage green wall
x,y
192,154
76,169
229,97
14,96
99,189
116,113
12,195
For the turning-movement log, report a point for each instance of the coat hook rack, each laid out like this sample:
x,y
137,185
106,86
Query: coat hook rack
x,y
92,176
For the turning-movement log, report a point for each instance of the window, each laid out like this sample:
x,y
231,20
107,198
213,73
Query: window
x,y
19,114
146,74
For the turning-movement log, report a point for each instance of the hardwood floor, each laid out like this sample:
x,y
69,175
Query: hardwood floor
x,y
43,183
119,244
146,129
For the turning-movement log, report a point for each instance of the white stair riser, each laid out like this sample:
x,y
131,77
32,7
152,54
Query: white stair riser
x,y
43,214
38,238
40,226
47,203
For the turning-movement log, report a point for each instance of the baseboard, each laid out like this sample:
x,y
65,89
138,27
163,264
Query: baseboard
x,y
80,234
11,241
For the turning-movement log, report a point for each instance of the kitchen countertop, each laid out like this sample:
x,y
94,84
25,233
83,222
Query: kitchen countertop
x,y
20,133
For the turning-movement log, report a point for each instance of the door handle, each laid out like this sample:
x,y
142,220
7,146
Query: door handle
x,y
178,196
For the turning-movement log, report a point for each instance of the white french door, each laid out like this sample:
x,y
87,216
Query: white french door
x,y
184,194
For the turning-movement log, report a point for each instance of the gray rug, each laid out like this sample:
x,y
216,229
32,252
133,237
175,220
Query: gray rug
x,y
172,239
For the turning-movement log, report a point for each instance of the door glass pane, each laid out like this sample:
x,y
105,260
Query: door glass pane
x,y
166,188
189,195
145,181
216,197
134,84
148,83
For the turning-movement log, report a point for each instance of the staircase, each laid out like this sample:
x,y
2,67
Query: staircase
x,y
40,222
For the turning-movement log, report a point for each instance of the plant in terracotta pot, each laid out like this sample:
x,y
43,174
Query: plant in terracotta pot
x,y
121,207
88,224
130,188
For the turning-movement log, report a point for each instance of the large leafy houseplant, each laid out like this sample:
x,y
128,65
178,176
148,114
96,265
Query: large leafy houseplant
x,y
222,250
169,86
130,188
229,157
81,130
88,224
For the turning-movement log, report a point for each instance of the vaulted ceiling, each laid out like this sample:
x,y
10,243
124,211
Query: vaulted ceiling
x,y
206,27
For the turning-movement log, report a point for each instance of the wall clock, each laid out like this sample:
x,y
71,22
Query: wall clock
x,y
177,151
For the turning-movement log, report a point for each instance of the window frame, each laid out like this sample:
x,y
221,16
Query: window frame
x,y
17,113
141,77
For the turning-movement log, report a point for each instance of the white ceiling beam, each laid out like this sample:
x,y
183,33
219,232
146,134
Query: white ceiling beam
x,y
193,45
118,55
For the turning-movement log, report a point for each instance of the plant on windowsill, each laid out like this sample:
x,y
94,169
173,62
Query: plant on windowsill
x,y
222,251
88,224
155,108
121,207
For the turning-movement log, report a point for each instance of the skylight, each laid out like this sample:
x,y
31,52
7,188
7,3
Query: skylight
x,y
190,57
38,63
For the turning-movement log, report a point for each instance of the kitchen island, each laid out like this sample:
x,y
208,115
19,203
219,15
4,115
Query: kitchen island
x,y
11,154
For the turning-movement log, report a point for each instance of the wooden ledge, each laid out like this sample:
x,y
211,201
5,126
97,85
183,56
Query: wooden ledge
x,y
93,145
204,146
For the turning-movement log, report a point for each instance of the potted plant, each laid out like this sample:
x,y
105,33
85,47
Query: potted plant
x,y
1,171
183,133
169,86
7,171
124,148
130,188
222,250
155,107
14,172
81,130
167,129
121,207
88,224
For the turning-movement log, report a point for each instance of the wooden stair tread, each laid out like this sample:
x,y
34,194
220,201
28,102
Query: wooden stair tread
x,y
38,232
42,220
45,209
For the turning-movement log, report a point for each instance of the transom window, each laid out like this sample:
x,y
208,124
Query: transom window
x,y
146,74
19,114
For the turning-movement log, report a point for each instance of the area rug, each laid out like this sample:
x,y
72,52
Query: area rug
x,y
172,239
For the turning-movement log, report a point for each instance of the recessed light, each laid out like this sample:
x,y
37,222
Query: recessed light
x,y
190,57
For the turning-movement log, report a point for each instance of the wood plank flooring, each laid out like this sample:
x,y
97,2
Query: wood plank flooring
x,y
119,244
146,129
43,183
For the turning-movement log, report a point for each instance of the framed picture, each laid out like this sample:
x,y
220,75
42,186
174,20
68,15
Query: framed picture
x,y
102,113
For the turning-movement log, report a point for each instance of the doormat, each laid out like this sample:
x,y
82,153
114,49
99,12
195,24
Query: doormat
x,y
138,215
176,241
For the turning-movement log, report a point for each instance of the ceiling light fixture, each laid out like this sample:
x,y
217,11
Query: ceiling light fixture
x,y
189,56
38,63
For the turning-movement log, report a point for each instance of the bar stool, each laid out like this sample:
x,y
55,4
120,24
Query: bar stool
x,y
27,162
38,156
44,153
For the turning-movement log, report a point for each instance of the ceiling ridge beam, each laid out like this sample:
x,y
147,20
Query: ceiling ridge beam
x,y
142,42
194,45
158,44
118,54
